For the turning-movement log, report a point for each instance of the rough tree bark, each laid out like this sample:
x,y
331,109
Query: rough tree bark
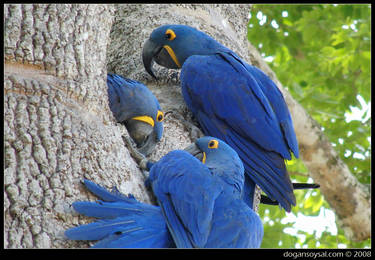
x,y
58,128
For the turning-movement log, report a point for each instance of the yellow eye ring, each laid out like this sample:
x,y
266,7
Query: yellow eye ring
x,y
170,34
159,116
213,144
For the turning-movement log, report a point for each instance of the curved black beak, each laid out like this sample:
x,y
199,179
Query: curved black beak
x,y
150,49
194,150
155,52
143,135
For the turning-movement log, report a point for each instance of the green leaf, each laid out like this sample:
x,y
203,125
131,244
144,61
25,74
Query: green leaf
x,y
324,67
366,55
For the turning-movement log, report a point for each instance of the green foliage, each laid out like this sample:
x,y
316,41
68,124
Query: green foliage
x,y
321,53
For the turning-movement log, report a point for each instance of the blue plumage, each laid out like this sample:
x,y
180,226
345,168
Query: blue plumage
x,y
200,205
134,105
233,101
124,221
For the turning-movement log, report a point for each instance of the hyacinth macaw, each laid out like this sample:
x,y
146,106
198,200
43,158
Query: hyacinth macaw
x,y
233,101
199,195
134,105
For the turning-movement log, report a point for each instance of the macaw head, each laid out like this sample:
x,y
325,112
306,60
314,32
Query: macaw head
x,y
170,45
220,158
134,105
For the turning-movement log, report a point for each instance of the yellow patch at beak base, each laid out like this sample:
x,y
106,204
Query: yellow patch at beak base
x,y
145,119
173,56
204,158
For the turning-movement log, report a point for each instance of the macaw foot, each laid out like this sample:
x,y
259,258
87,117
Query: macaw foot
x,y
138,157
189,125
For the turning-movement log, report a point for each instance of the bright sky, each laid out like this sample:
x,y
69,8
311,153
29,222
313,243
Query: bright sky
x,y
325,221
359,113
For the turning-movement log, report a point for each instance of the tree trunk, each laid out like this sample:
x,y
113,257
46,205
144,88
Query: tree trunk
x,y
58,128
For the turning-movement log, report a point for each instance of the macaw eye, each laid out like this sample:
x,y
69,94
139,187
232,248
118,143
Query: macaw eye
x,y
170,35
213,144
160,116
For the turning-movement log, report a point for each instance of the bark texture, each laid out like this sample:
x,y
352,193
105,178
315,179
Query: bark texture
x,y
58,128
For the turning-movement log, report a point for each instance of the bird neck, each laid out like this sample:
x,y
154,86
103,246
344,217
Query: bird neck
x,y
233,183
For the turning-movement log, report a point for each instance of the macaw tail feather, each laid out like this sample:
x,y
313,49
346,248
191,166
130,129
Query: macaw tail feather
x,y
123,221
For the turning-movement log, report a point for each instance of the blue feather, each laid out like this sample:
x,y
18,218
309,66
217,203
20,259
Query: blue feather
x,y
191,196
105,195
247,121
200,206
175,226
233,100
279,106
101,209
202,203
248,191
267,169
130,98
124,221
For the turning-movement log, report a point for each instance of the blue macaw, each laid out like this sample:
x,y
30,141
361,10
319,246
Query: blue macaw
x,y
233,101
134,105
202,202
199,193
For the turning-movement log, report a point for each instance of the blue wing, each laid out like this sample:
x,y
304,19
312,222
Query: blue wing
x,y
279,106
129,98
123,222
236,226
119,92
248,191
186,196
229,103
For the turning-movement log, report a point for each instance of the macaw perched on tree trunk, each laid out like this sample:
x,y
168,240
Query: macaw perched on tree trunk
x,y
199,195
134,105
233,101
